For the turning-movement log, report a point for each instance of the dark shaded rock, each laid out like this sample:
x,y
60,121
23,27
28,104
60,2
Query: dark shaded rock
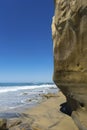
x,y
69,32
3,124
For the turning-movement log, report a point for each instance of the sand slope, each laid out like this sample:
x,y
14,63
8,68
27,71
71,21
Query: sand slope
x,y
47,116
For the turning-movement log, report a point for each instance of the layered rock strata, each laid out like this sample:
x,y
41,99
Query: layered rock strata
x,y
69,32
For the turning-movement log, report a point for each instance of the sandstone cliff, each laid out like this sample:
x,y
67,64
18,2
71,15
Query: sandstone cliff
x,y
69,32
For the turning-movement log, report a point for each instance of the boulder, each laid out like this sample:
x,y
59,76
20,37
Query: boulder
x,y
69,33
3,124
49,95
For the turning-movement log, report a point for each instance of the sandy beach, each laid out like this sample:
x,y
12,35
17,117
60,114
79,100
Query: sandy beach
x,y
45,116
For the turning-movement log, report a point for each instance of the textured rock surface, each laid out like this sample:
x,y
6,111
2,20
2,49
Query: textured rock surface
x,y
69,32
3,124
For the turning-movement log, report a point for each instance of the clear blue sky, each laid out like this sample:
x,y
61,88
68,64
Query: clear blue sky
x,y
25,40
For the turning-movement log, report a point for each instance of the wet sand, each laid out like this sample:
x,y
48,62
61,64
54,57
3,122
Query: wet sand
x,y
45,116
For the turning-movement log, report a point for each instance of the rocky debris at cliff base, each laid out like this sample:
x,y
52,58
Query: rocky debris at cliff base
x,y
45,116
13,122
3,124
50,95
23,126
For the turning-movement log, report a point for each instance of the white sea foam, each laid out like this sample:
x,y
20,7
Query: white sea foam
x,y
17,88
16,97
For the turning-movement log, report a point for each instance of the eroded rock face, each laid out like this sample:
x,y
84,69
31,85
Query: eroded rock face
x,y
69,32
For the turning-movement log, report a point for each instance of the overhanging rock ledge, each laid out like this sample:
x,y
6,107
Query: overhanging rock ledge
x,y
69,32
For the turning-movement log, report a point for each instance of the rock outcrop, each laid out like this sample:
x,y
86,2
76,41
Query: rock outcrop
x,y
69,32
3,124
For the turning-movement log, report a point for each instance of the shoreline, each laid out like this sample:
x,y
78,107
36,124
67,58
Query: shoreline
x,y
12,113
15,97
44,116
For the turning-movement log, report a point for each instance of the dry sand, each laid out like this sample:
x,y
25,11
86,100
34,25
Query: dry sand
x,y
47,116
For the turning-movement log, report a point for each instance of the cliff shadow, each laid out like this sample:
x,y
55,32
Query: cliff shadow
x,y
65,108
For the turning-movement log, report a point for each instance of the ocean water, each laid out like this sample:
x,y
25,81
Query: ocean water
x,y
22,95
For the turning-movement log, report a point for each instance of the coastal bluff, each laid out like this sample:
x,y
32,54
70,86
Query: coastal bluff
x,y
69,33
